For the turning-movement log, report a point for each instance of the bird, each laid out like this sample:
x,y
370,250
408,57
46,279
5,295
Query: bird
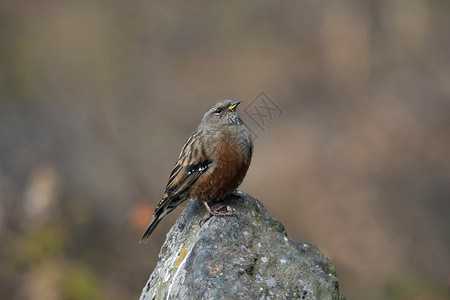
x,y
212,164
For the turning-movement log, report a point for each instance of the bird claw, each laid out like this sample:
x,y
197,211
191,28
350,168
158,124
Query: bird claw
x,y
215,212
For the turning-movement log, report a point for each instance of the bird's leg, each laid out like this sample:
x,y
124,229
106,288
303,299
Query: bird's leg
x,y
215,212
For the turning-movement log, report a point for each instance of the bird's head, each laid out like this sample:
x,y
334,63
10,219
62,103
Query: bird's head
x,y
222,113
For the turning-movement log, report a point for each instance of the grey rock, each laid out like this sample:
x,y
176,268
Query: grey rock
x,y
243,256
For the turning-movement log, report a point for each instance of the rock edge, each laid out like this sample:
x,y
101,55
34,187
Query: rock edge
x,y
244,256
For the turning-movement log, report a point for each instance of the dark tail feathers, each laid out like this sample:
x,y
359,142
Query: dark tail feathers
x,y
166,206
155,221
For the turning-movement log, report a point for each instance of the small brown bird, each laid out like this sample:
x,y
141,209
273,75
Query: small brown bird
x,y
212,163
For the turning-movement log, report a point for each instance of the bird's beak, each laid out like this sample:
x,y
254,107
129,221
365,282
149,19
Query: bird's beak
x,y
233,105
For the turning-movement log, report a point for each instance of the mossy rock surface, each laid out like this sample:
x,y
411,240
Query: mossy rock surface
x,y
244,256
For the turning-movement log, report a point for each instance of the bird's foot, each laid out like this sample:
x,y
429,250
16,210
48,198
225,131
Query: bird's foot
x,y
216,212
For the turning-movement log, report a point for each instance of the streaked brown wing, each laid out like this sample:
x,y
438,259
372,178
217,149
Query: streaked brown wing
x,y
185,177
191,164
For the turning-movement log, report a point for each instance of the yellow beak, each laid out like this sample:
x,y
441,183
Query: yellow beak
x,y
233,105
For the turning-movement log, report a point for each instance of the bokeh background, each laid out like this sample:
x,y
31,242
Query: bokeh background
x,y
97,98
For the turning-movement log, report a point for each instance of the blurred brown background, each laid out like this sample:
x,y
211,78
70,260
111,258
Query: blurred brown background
x,y
97,98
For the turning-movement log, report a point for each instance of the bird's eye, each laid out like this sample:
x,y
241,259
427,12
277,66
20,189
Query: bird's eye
x,y
218,110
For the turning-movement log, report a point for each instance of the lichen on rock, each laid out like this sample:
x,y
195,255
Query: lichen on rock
x,y
244,256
